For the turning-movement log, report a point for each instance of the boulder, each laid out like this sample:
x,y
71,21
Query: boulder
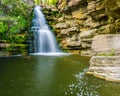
x,y
105,67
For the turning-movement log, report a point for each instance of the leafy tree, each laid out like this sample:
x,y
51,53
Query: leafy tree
x,y
37,2
49,2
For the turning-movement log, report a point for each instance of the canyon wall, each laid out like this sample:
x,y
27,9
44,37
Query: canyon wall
x,y
105,67
84,19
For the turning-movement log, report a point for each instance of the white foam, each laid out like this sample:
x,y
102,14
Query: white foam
x,y
51,54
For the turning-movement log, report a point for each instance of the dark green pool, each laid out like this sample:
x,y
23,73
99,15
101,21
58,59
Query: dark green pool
x,y
51,76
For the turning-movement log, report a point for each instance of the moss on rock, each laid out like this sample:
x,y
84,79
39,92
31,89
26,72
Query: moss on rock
x,y
15,21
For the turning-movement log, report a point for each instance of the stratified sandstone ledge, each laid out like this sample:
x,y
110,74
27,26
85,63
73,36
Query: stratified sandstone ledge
x,y
106,44
105,67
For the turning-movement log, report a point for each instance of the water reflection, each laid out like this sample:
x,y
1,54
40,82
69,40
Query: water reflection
x,y
86,85
44,73
51,76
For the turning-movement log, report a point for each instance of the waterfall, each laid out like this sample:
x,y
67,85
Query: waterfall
x,y
44,40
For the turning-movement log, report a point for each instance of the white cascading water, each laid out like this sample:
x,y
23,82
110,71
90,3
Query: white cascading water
x,y
44,39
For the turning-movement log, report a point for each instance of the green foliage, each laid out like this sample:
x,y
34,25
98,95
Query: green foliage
x,y
15,20
52,2
3,27
112,53
5,1
48,2
37,2
10,29
17,38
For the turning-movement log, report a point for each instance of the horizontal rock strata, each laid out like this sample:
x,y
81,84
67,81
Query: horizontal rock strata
x,y
106,44
105,67
84,19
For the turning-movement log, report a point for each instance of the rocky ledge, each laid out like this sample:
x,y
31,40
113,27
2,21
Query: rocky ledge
x,y
105,67
84,19
106,45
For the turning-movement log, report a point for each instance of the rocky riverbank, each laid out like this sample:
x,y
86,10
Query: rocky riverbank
x,y
106,64
105,67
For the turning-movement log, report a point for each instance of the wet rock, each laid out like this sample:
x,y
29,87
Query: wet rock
x,y
4,54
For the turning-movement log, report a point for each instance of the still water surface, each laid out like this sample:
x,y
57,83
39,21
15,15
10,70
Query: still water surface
x,y
51,76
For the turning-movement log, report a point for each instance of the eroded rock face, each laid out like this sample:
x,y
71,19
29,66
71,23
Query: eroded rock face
x,y
105,67
105,44
113,7
88,18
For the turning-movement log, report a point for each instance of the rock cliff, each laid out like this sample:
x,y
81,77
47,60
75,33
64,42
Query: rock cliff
x,y
84,19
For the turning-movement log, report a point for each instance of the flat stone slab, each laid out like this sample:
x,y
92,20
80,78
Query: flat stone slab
x,y
106,43
113,77
105,67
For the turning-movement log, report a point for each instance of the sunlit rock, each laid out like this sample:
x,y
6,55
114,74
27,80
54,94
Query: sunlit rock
x,y
105,67
106,44
88,34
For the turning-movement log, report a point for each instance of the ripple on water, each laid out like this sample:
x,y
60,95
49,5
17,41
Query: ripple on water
x,y
82,86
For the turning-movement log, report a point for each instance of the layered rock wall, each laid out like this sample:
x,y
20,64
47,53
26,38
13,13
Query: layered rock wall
x,y
84,19
107,64
105,67
106,44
